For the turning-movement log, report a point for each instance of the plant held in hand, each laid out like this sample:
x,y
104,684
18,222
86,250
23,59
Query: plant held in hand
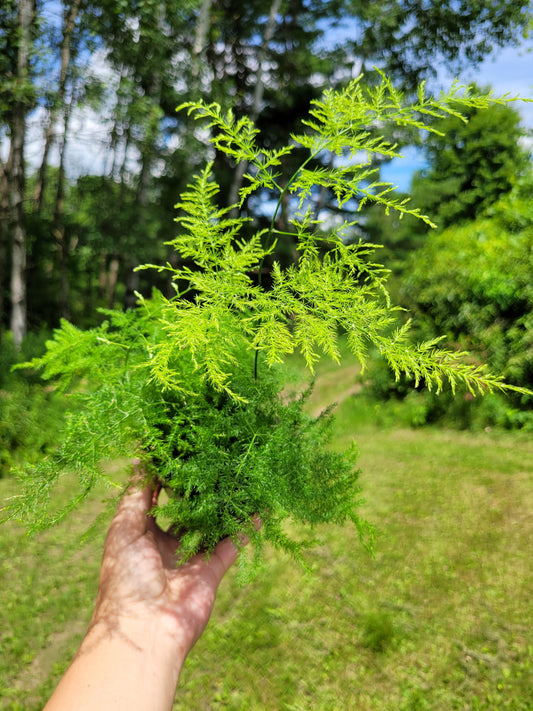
x,y
195,385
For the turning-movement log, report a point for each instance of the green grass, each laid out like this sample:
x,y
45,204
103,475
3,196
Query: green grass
x,y
439,619
47,589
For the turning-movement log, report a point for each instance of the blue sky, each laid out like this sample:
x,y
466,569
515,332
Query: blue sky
x,y
508,71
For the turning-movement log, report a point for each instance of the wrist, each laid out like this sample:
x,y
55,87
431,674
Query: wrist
x,y
123,663
157,641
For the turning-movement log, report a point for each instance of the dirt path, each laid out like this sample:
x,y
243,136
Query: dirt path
x,y
335,386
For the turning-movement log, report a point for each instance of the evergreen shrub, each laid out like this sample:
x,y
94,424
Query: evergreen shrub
x,y
472,282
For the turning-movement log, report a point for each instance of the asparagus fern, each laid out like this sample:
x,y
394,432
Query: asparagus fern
x,y
194,385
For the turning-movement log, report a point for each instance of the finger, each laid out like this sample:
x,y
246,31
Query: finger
x,y
226,552
155,494
221,559
130,518
138,475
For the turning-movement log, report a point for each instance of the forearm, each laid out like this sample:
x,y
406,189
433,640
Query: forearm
x,y
133,666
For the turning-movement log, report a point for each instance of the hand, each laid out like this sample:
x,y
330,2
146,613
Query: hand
x,y
149,613
141,582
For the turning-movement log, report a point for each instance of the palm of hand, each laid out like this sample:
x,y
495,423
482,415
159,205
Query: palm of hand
x,y
140,580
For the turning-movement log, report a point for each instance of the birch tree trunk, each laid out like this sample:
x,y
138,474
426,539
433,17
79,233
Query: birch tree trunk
x,y
69,22
200,41
16,181
4,240
58,227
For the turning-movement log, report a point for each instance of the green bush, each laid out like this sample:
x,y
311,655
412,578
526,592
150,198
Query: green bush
x,y
31,413
473,284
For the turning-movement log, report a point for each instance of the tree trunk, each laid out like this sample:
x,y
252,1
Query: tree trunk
x,y
69,22
132,286
200,42
102,278
112,278
58,228
4,237
147,147
120,128
259,90
17,176
18,228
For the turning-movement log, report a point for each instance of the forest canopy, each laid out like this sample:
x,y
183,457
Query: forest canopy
x,y
70,237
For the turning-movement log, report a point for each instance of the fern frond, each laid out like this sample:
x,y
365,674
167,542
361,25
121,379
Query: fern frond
x,y
195,384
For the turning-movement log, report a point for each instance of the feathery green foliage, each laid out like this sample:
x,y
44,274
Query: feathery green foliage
x,y
196,385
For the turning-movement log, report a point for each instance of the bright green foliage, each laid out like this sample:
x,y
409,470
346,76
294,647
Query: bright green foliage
x,y
195,385
470,166
473,284
30,415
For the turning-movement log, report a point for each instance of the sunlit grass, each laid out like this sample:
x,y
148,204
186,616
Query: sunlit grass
x,y
439,619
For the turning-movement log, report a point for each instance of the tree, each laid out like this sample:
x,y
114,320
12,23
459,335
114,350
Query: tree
x,y
18,28
58,97
267,61
39,76
472,283
413,38
471,164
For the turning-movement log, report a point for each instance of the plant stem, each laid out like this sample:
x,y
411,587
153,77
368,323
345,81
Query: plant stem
x,y
271,228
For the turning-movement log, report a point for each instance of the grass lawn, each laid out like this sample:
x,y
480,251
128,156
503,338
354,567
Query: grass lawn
x,y
439,619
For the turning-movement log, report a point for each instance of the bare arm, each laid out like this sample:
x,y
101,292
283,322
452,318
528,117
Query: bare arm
x,y
148,615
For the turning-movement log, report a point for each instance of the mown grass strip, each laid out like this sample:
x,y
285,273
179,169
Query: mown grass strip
x,y
440,619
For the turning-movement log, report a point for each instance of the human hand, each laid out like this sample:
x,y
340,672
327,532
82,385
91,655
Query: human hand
x,y
148,615
141,584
